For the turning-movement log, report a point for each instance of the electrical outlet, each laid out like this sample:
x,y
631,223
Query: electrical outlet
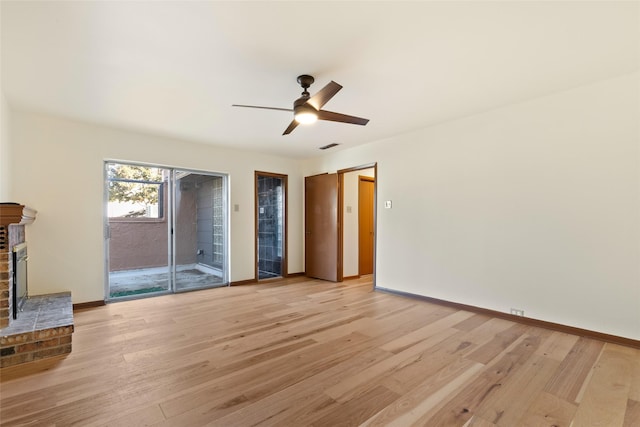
x,y
517,312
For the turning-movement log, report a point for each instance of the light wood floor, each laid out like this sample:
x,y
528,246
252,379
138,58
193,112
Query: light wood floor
x,y
307,352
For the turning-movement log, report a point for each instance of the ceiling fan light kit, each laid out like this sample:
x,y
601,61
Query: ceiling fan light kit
x,y
307,109
305,114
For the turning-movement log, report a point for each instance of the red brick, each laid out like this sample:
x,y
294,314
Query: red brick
x,y
7,351
55,351
54,332
15,360
16,339
33,346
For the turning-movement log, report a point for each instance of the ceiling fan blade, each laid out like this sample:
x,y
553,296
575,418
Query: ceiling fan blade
x,y
324,95
263,108
343,118
291,127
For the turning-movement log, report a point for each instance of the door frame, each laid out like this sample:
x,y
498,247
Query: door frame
x,y
285,238
341,173
372,180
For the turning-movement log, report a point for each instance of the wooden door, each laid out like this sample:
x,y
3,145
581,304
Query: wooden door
x,y
321,226
366,229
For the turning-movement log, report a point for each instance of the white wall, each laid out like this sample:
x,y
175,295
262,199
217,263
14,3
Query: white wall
x,y
5,151
350,244
534,206
60,174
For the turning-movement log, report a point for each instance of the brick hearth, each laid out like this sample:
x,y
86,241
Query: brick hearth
x,y
43,329
45,323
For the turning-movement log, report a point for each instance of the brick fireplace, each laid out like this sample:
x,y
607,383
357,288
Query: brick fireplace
x,y
44,325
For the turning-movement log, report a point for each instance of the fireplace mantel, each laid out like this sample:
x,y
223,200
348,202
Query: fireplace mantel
x,y
15,213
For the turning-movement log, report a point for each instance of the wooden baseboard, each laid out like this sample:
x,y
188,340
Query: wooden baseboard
x,y
357,276
274,279
90,304
525,320
295,275
244,282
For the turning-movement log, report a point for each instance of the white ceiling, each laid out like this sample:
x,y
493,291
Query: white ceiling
x,y
174,68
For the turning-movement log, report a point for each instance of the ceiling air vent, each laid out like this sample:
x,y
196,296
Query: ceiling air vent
x,y
329,146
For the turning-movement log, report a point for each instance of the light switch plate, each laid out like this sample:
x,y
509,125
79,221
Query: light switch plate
x,y
387,204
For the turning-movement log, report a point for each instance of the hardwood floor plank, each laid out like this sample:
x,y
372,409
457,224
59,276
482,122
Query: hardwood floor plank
x,y
476,421
357,410
498,344
302,352
255,382
429,362
557,346
500,408
413,406
548,410
632,414
487,331
472,322
305,399
425,332
574,369
634,390
353,385
134,418
465,404
606,396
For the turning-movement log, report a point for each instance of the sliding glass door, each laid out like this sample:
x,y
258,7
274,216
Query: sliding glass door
x,y
138,224
165,230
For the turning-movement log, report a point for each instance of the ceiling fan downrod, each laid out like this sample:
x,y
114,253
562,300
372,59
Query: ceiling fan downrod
x,y
305,81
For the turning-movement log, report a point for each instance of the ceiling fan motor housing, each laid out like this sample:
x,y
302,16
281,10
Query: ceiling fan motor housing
x,y
305,81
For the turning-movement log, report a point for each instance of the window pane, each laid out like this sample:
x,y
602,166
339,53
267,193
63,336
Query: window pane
x,y
135,191
134,200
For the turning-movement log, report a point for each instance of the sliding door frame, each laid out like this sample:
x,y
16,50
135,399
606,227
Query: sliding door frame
x,y
170,215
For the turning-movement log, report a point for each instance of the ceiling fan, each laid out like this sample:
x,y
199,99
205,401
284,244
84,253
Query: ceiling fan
x,y
307,109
